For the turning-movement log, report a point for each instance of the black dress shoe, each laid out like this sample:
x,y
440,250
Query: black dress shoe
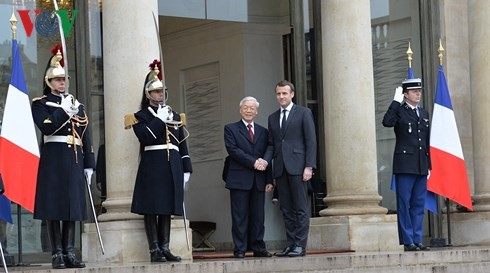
x,y
58,262
297,252
72,262
170,257
156,256
411,247
263,253
422,247
283,253
239,255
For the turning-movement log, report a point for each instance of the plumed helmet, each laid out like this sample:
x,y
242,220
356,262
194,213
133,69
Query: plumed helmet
x,y
153,82
154,78
55,66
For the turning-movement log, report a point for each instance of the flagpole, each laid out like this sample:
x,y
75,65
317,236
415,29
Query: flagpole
x,y
13,22
448,212
409,54
440,55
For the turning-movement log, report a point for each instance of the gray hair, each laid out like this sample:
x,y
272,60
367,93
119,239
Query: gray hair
x,y
249,98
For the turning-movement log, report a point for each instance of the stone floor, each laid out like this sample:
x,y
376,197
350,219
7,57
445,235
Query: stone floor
x,y
440,260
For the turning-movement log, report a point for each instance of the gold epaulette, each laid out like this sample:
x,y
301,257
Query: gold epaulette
x,y
183,119
130,120
39,98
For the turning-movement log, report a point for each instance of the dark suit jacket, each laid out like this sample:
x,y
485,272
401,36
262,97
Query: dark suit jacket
x,y
297,148
243,153
412,139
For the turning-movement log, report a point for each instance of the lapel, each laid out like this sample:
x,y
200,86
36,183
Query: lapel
x,y
257,132
244,131
290,118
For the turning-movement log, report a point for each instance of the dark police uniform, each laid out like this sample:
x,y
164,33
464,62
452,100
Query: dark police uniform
x,y
66,151
411,165
159,185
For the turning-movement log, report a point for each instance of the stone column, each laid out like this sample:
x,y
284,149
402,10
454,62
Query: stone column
x,y
353,199
479,18
471,228
130,44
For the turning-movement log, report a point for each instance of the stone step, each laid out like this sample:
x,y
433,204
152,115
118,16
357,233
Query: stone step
x,y
440,260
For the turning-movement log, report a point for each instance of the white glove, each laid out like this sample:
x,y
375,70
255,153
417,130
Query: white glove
x,y
186,178
398,94
69,104
88,174
163,112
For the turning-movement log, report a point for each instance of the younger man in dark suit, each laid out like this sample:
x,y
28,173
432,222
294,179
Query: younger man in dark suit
x,y
292,147
247,178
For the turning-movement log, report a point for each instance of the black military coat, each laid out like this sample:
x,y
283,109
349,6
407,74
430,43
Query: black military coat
x,y
159,182
60,191
412,132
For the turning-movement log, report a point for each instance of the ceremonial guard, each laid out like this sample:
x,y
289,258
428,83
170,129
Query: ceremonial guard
x,y
67,158
411,161
164,166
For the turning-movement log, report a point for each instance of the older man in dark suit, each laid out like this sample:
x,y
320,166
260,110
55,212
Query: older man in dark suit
x,y
247,179
292,148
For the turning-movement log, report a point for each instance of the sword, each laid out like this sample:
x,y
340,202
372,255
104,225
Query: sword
x,y
185,227
88,179
63,45
164,82
3,258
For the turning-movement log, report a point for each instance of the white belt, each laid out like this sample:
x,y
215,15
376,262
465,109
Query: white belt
x,y
161,147
63,139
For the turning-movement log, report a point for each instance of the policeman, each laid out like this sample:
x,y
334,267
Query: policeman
x,y
411,161
66,159
165,165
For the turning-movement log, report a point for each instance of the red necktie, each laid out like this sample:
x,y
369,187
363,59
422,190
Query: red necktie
x,y
250,132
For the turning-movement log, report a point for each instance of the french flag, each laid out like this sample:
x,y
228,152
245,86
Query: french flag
x,y
448,176
19,150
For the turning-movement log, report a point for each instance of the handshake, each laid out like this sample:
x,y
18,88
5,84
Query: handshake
x,y
260,164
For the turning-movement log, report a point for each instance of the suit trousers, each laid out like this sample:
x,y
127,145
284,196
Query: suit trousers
x,y
411,191
247,214
293,199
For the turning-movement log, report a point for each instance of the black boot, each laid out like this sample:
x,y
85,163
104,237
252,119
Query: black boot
x,y
156,255
164,238
69,245
54,234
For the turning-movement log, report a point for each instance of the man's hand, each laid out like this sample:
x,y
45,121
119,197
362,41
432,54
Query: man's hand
x,y
88,174
69,104
269,187
260,164
398,94
187,176
164,113
307,174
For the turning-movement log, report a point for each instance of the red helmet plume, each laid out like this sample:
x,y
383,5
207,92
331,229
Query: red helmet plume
x,y
159,65
55,49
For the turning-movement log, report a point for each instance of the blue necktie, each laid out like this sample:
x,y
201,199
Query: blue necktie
x,y
283,122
